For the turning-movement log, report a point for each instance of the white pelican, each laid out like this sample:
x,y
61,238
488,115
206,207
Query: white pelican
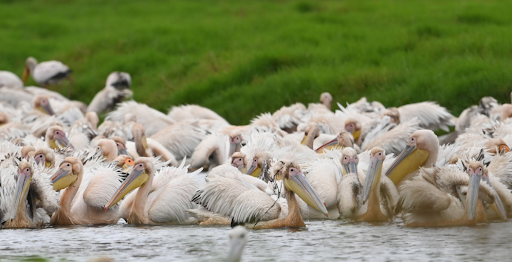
x,y
244,200
289,117
87,192
160,199
196,112
32,183
148,147
47,73
237,242
116,90
9,79
436,197
421,150
56,138
152,119
373,202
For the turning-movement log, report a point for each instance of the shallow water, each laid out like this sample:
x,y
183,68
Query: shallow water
x,y
321,240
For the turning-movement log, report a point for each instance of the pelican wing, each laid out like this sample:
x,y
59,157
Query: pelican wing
x,y
321,176
7,191
214,146
420,195
108,98
169,203
395,140
431,115
102,186
501,168
42,185
15,96
45,71
255,205
152,119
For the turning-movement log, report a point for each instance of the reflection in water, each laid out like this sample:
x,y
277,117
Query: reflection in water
x,y
321,240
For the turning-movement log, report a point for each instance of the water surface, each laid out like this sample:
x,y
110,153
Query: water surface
x,y
320,241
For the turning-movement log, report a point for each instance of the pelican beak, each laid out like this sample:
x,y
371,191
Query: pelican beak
x,y
407,162
304,139
356,134
504,149
63,142
473,191
497,206
123,152
254,170
300,186
350,167
62,179
48,109
137,178
234,147
327,145
26,73
372,177
21,190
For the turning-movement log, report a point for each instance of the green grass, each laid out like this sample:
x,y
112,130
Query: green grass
x,y
242,58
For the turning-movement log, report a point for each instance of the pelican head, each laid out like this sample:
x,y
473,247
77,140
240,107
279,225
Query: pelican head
x,y
44,156
354,127
30,64
42,104
68,173
326,99
26,151
311,129
234,143
23,185
259,163
295,181
343,139
349,160
377,156
475,170
393,113
4,118
237,241
142,170
124,161
496,146
421,150
121,145
238,160
108,148
57,138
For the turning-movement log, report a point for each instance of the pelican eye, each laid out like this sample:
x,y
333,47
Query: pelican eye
x,y
27,169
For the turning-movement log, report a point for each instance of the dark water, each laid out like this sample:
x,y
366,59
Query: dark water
x,y
320,241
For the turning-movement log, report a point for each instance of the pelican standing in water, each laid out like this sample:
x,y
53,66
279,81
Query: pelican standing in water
x,y
47,73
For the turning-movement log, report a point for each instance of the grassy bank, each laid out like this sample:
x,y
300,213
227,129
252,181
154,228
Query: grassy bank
x,y
242,58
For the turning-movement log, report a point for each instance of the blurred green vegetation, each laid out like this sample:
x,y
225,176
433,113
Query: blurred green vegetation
x,y
242,58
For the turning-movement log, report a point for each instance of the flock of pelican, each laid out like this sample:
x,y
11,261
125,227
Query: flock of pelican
x,y
362,162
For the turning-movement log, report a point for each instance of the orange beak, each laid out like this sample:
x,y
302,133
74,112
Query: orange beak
x,y
26,73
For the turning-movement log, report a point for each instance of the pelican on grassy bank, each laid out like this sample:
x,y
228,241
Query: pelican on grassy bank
x,y
47,73
160,199
116,90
